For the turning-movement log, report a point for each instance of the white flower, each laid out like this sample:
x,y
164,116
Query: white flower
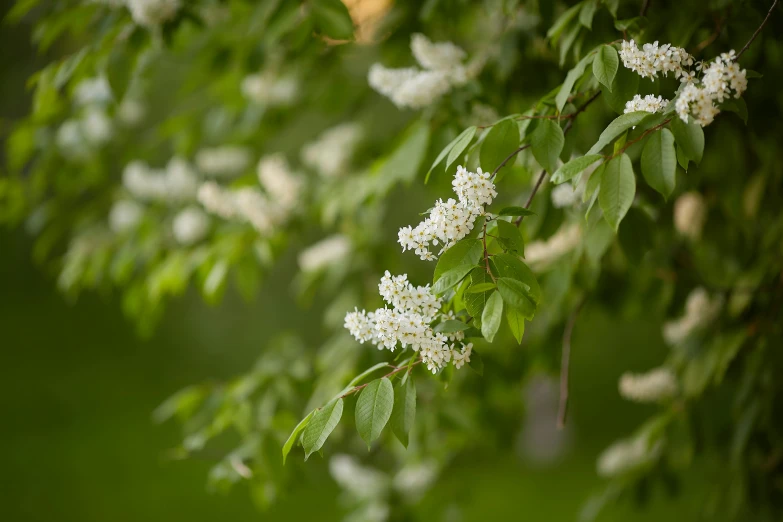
x,y
720,78
280,182
566,195
626,455
413,480
656,385
70,139
181,180
268,89
176,183
190,226
648,104
125,215
331,153
97,128
653,59
227,160
690,214
324,253
131,112
450,220
360,481
216,200
700,311
542,253
93,91
436,56
152,13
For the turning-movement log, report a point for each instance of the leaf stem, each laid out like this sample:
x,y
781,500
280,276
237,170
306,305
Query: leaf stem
x,y
761,27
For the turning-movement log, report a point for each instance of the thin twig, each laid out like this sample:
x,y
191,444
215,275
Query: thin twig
x,y
564,365
396,370
508,158
766,19
645,6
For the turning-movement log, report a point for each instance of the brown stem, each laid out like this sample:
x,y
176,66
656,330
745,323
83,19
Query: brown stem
x,y
486,257
645,6
766,19
564,365
640,138
394,371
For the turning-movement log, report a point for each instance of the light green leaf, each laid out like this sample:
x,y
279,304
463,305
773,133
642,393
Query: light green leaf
x,y
333,19
546,143
321,426
289,443
501,141
373,409
404,412
682,159
509,265
465,252
474,303
516,321
511,237
451,326
470,130
562,22
659,162
617,127
460,144
618,188
574,167
451,278
516,294
690,137
516,211
587,13
479,288
491,316
605,65
571,78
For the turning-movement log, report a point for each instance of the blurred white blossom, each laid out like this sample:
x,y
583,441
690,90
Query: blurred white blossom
x,y
539,253
656,385
97,128
228,160
690,214
93,91
152,13
269,89
331,153
626,455
326,252
700,311
190,225
124,215
176,183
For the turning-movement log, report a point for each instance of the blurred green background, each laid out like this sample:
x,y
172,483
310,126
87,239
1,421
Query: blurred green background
x,y
77,388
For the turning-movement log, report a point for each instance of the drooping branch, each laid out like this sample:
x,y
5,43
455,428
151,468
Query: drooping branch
x,y
564,365
758,31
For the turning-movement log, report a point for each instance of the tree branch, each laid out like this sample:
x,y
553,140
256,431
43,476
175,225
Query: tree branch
x,y
564,365
761,27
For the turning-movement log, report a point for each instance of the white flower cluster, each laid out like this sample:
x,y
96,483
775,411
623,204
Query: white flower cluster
x,y
450,220
177,183
263,210
190,225
656,385
152,13
415,88
331,153
652,59
324,253
228,160
647,104
540,254
719,80
700,311
268,89
690,215
626,455
408,323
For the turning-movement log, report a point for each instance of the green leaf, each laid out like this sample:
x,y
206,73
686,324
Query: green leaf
x,y
373,409
476,362
451,278
403,163
738,106
624,86
636,236
546,143
501,141
404,412
333,19
618,188
516,294
491,316
509,265
574,167
295,434
470,130
690,137
516,211
561,23
511,237
356,380
573,75
659,162
474,303
465,252
451,326
587,13
605,65
516,321
682,159
460,144
617,127
321,426
479,288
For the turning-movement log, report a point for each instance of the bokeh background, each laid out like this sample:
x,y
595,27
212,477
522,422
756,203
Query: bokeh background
x,y
78,387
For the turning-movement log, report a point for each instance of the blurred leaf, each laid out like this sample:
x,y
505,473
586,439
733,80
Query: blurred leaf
x,y
470,131
501,141
461,142
333,19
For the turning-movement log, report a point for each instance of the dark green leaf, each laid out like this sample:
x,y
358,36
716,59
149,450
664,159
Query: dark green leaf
x,y
682,159
659,162
373,409
491,316
587,13
517,295
690,137
479,288
546,143
476,363
474,303
333,19
465,252
321,426
404,412
574,167
509,265
624,86
571,78
617,127
618,188
511,237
